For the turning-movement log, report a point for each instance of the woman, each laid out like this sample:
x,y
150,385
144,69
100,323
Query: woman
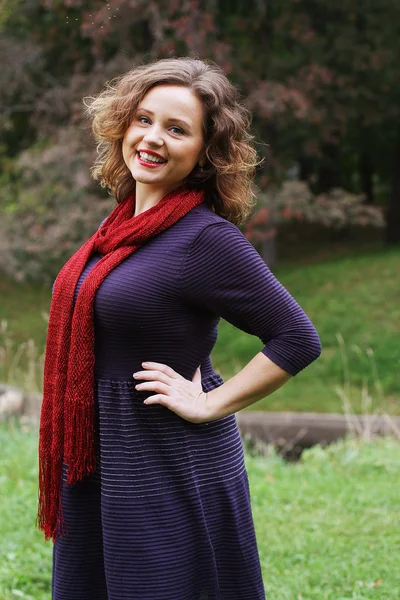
x,y
143,486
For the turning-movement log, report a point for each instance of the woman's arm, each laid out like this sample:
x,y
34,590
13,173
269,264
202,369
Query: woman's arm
x,y
259,378
224,274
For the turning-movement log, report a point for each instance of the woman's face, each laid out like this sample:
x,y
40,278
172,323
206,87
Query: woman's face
x,y
165,140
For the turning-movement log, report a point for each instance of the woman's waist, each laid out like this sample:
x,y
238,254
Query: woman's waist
x,y
120,367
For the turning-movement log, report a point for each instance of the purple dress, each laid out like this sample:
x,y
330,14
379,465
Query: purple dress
x,y
166,515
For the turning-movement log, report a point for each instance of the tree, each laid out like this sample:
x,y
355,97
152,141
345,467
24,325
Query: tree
x,y
295,202
321,80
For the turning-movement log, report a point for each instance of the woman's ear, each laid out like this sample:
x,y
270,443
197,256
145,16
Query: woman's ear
x,y
202,158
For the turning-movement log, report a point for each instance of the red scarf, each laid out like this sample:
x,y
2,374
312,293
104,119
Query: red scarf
x,y
67,422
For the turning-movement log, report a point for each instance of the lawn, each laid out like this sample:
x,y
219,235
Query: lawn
x,y
328,527
357,297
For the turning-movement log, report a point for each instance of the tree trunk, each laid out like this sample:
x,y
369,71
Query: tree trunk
x,y
393,210
366,177
307,166
329,170
268,251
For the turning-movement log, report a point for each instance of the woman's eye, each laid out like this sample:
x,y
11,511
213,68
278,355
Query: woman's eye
x,y
174,129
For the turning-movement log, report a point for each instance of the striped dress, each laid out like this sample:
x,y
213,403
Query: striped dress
x,y
167,515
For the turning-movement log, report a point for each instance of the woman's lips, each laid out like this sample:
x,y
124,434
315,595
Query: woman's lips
x,y
151,165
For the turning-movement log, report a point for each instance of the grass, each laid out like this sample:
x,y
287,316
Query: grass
x,y
24,307
25,559
327,526
357,297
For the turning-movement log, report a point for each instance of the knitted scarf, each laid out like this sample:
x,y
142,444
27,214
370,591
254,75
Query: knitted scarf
x,y
67,421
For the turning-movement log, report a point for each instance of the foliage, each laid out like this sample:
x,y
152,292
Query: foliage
x,y
334,118
326,526
291,60
294,201
50,207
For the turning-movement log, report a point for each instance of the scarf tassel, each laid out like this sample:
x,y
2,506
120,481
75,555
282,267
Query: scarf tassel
x,y
80,439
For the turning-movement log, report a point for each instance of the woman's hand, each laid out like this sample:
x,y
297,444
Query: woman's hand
x,y
185,398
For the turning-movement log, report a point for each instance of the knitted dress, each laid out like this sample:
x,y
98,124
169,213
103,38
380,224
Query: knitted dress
x,y
166,515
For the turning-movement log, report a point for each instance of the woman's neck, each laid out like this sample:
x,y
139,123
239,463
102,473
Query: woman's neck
x,y
147,196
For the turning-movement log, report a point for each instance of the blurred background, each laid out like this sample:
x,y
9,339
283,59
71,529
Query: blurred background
x,y
322,82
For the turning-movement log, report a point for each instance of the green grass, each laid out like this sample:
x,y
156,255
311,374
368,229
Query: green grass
x,y
25,559
358,297
22,306
328,527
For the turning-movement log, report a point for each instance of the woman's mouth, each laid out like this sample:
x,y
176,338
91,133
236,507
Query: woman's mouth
x,y
150,160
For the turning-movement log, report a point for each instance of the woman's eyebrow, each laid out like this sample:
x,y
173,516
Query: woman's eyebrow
x,y
184,123
171,119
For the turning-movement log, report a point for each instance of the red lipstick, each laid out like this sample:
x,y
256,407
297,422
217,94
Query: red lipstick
x,y
148,163
151,152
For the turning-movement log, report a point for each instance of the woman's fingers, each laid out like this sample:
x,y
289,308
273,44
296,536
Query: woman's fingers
x,y
163,368
183,396
163,400
193,411
153,386
152,375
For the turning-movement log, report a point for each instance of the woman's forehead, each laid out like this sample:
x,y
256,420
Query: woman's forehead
x,y
173,101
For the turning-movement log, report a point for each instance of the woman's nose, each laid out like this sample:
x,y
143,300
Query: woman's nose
x,y
154,136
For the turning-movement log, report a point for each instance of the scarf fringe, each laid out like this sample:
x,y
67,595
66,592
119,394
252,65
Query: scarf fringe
x,y
80,442
50,517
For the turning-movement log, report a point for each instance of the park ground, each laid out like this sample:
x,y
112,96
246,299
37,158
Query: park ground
x,y
327,526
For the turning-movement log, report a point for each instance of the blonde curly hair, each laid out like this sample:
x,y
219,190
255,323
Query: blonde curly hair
x,y
228,174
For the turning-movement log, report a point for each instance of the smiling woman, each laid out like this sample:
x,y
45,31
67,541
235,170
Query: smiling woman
x,y
200,93
142,481
164,142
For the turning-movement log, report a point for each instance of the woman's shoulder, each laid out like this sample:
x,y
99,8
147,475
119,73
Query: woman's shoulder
x,y
202,218
205,233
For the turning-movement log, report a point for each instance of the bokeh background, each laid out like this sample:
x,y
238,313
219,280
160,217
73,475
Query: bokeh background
x,y
322,82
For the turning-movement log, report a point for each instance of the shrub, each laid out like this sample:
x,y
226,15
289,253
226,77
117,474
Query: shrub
x,y
294,202
50,206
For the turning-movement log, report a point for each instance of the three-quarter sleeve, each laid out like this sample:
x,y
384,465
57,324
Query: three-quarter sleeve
x,y
223,273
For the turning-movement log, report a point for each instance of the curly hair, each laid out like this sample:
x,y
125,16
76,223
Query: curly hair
x,y
231,158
